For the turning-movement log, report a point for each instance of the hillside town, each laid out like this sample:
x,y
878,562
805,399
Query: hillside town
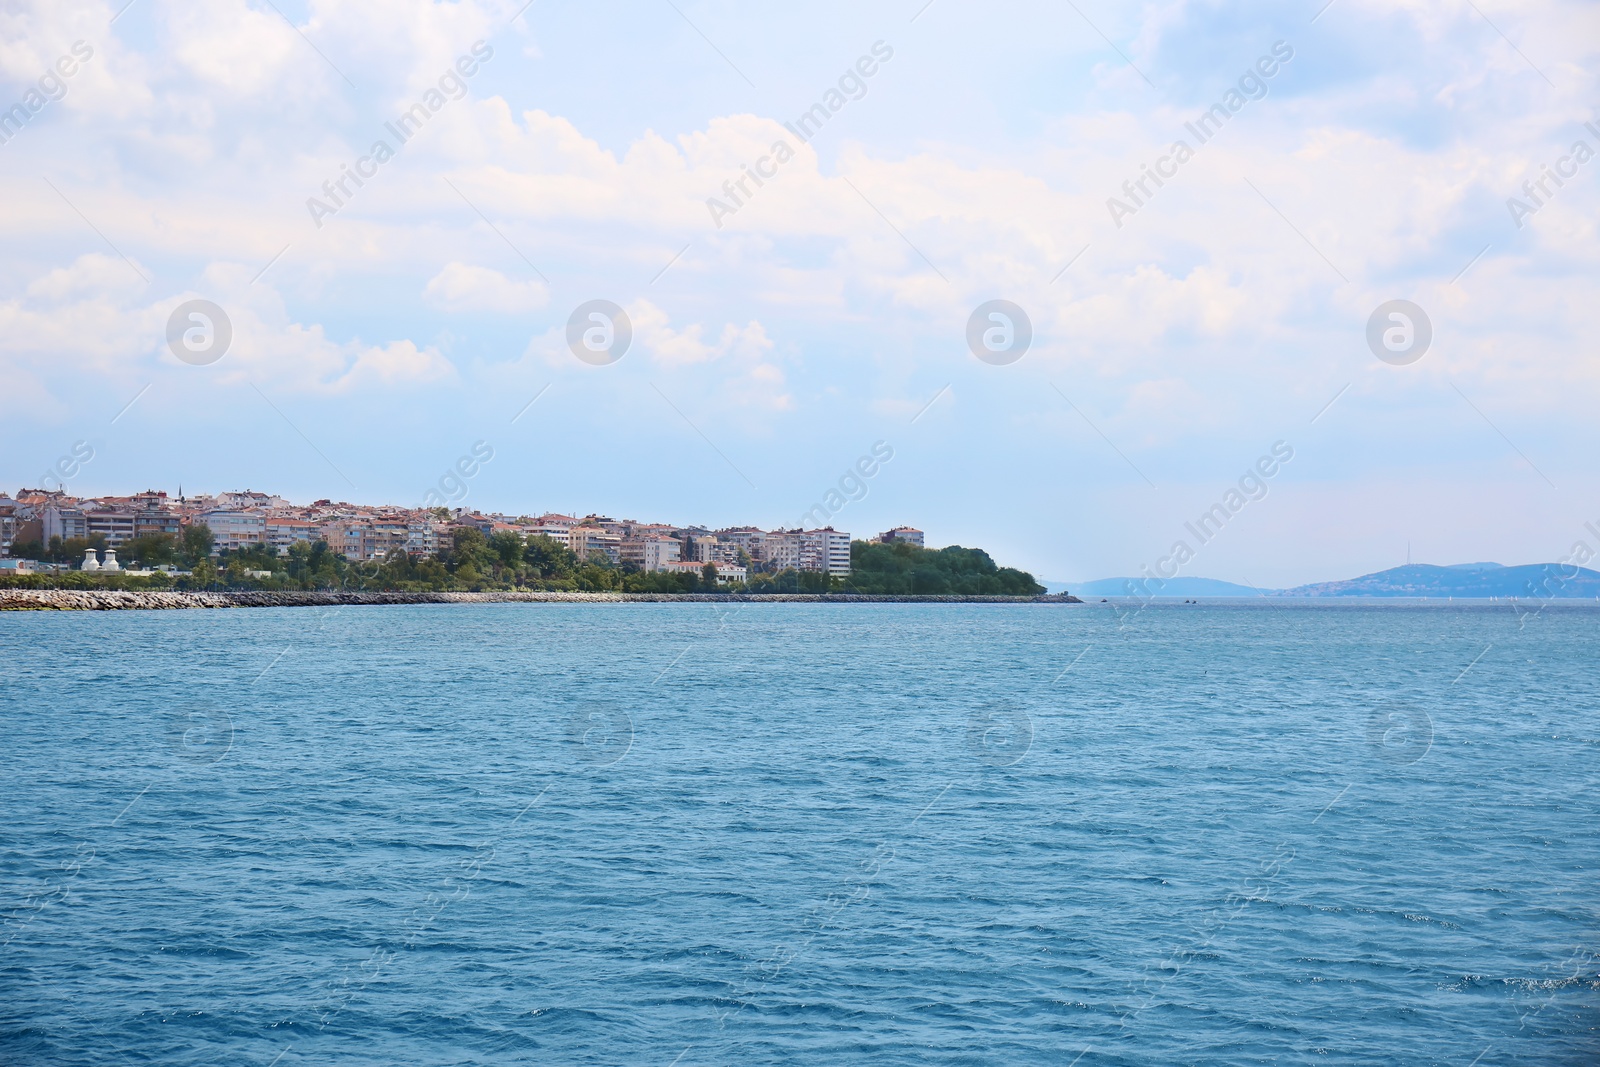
x,y
37,523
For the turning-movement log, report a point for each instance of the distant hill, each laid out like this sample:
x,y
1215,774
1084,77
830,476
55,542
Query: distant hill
x,y
1534,581
1465,580
1179,587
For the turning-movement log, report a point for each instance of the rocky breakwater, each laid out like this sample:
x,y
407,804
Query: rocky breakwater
x,y
114,600
105,600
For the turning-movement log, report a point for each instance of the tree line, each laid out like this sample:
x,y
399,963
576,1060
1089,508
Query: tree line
x,y
506,560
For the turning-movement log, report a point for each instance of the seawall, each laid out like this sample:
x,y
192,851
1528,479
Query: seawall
x,y
115,600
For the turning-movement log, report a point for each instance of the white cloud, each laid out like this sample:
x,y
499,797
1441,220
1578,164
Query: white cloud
x,y
460,287
96,316
93,273
677,348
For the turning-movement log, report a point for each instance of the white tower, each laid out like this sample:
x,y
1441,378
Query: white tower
x,y
91,562
111,563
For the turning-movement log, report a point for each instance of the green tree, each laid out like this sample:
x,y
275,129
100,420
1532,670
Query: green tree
x,y
814,582
549,558
507,546
903,569
196,543
470,547
205,574
151,549
72,550
33,549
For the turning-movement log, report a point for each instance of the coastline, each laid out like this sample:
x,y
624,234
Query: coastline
x,y
122,600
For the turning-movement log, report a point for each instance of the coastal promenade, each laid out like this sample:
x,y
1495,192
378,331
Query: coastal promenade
x,y
115,600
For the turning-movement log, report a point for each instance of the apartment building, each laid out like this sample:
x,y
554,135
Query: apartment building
x,y
561,535
782,550
422,537
115,524
390,534
352,540
63,521
726,572
608,526
904,535
752,541
483,523
246,499
9,520
550,518
235,530
149,500
148,521
653,553
281,533
826,550
587,540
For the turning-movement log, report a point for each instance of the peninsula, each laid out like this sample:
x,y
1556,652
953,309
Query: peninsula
x,y
248,549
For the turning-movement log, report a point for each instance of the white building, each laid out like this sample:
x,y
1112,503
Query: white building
x,y
651,554
782,549
235,529
281,533
826,550
421,538
63,522
587,540
242,499
726,572
903,535
10,517
751,540
561,535
703,549
114,524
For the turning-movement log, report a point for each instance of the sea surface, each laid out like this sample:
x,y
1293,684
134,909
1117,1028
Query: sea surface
x,y
1261,833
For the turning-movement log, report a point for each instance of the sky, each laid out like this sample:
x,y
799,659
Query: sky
x,y
1180,339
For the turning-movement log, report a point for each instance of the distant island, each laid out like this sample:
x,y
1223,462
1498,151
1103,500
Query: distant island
x,y
1173,587
1466,581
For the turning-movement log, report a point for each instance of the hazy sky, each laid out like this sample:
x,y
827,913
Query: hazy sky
x,y
777,337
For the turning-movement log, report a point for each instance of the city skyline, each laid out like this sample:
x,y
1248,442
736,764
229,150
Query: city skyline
x,y
240,519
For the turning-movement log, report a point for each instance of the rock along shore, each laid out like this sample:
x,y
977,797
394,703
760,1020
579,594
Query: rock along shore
x,y
113,600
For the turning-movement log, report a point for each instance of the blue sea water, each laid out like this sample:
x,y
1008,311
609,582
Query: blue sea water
x,y
805,834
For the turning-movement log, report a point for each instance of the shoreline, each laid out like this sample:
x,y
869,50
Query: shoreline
x,y
123,600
